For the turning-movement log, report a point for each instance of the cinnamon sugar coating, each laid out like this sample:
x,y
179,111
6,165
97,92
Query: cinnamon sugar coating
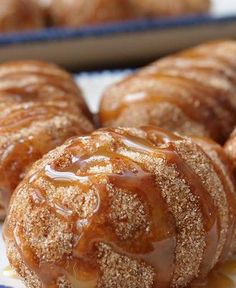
x,y
122,208
192,93
41,107
20,15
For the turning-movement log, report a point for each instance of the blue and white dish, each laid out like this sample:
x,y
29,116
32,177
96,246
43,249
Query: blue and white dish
x,y
117,44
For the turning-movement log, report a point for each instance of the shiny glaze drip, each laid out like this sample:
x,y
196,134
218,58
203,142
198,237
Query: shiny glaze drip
x,y
198,84
25,116
160,243
157,247
158,94
41,107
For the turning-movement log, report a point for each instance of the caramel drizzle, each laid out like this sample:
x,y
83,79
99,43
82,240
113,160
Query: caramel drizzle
x,y
139,181
205,101
34,92
161,93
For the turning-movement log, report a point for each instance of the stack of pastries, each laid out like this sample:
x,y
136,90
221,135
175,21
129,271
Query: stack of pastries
x,y
131,206
19,15
41,107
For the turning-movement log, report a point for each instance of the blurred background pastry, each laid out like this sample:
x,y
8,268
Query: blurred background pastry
x,y
75,13
41,107
123,208
192,92
154,8
20,15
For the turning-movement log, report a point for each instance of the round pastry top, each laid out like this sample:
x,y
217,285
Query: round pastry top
x,y
139,201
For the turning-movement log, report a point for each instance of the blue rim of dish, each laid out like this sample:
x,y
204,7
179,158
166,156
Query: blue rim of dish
x,y
59,34
3,286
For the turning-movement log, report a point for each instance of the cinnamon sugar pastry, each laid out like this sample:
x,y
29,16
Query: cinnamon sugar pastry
x,y
192,92
170,7
19,15
78,12
41,107
123,208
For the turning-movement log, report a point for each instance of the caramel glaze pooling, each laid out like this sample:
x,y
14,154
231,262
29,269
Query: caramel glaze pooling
x,y
192,92
41,107
123,207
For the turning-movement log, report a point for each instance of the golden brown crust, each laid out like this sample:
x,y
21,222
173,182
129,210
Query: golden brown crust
x,y
192,92
41,107
20,15
123,207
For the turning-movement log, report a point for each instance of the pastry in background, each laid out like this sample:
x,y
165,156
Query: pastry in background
x,y
123,208
154,8
45,7
75,13
40,107
192,92
20,15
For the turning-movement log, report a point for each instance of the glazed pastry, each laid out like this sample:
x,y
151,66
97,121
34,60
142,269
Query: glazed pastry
x,y
41,107
192,92
170,7
75,13
19,15
123,208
